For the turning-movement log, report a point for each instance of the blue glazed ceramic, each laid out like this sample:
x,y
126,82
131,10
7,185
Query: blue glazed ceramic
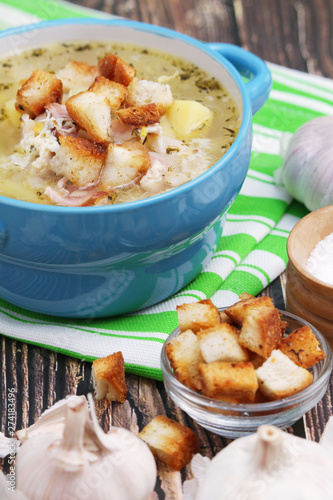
x,y
101,261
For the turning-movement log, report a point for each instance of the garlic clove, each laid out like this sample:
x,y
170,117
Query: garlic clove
x,y
199,466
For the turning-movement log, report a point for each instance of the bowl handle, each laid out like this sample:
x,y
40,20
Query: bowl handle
x,y
251,67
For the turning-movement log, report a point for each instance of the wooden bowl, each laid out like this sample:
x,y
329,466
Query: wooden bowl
x,y
307,296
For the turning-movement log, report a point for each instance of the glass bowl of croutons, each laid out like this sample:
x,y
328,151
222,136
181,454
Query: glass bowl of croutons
x,y
246,365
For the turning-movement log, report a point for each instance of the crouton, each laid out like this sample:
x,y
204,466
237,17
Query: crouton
x,y
261,331
184,354
142,92
238,311
220,343
224,318
173,443
228,381
114,68
114,92
124,163
109,377
279,377
140,116
78,159
302,347
92,113
38,91
197,315
77,75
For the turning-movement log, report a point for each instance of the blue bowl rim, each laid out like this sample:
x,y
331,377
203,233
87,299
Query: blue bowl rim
x,y
181,190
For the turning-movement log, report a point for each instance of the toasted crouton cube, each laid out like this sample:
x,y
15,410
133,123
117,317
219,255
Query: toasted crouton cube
x,y
38,91
116,69
92,113
125,163
140,116
197,315
302,347
185,356
115,93
109,377
279,377
77,74
142,92
78,159
173,443
261,331
239,311
220,343
229,381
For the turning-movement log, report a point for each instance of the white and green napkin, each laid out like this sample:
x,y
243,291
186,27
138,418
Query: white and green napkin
x,y
251,253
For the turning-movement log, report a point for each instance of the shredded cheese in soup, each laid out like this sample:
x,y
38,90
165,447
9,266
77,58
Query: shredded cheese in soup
x,y
95,124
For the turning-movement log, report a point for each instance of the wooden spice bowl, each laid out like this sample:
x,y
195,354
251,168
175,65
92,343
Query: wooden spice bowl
x,y
307,296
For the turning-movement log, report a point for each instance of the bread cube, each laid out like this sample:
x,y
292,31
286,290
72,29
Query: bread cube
x,y
116,69
109,377
142,92
124,164
302,347
229,381
220,343
92,113
140,116
77,74
173,443
197,315
38,91
78,159
240,310
261,330
185,356
279,377
114,92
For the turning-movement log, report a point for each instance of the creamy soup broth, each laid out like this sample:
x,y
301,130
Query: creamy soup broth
x,y
185,80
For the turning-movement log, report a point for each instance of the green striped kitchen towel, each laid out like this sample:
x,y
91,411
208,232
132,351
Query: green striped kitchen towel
x,y
252,250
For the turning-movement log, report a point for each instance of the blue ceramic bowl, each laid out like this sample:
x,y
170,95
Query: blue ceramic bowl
x,y
102,261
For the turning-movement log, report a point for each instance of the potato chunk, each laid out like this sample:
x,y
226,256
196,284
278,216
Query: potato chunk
x,y
189,119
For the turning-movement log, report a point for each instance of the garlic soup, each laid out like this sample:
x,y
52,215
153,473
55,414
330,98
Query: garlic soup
x,y
147,125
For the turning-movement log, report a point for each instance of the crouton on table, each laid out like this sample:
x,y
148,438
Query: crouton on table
x,y
109,377
173,443
79,159
41,88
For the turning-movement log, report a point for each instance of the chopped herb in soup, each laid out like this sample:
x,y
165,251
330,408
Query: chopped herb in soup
x,y
97,124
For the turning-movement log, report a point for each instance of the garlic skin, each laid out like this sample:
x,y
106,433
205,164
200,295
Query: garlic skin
x,y
75,460
307,171
6,494
268,465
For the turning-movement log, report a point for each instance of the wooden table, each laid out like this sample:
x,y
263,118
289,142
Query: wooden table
x,y
293,33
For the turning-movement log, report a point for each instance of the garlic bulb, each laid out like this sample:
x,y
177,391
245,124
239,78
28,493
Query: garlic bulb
x,y
307,171
71,458
8,492
268,465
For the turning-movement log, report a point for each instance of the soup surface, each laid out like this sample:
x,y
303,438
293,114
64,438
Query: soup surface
x,y
118,124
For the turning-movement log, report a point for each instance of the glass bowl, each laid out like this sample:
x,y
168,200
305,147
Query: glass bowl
x,y
235,420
